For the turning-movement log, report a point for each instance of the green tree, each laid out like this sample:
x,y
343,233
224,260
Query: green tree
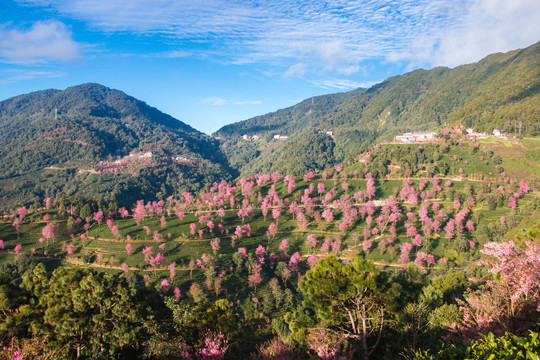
x,y
85,211
84,313
353,300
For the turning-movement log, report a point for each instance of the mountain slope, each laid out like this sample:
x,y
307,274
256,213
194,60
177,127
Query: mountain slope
x,y
501,91
90,134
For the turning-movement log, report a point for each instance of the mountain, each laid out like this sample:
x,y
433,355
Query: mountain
x,y
500,91
93,140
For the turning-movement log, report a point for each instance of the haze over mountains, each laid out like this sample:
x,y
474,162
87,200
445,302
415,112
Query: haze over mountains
x,y
92,140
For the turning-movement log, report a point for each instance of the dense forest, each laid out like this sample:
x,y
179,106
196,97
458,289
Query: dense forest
x,y
408,251
498,92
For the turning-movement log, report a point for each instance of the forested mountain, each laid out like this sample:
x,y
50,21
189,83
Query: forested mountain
x,y
94,140
501,91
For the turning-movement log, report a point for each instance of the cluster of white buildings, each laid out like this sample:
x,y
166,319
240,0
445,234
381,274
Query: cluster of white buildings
x,y
499,134
496,133
477,135
280,137
414,137
145,155
247,137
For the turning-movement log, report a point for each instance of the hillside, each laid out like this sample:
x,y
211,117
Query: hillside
x,y
501,91
93,140
248,258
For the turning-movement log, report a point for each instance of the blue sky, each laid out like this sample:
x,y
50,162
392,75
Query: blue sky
x,y
213,62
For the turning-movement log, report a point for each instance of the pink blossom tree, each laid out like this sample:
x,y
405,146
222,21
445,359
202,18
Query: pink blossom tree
x,y
510,300
165,284
17,248
327,215
125,268
177,293
49,232
255,277
70,249
17,225
139,213
271,232
294,261
311,241
284,246
405,249
172,270
291,186
312,260
260,252
129,249
98,216
366,245
215,245
417,240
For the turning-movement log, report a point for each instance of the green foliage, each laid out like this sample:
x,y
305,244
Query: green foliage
x,y
352,300
506,347
83,313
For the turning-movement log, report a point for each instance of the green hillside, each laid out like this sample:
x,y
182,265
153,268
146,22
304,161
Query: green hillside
x,y
92,140
498,92
240,257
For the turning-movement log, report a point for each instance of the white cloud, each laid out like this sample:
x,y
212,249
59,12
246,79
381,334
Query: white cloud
x,y
339,84
481,27
332,52
44,40
333,35
214,101
217,101
16,75
490,26
248,102
175,54
330,36
298,69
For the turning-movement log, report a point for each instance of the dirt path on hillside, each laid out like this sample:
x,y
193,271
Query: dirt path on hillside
x,y
79,262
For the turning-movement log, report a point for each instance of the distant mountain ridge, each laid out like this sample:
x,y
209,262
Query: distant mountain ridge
x,y
500,91
72,131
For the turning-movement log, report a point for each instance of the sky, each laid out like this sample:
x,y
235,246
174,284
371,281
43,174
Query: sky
x,y
213,62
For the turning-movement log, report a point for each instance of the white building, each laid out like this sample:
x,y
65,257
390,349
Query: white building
x,y
146,155
416,137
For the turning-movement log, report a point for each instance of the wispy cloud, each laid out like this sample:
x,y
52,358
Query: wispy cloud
x,y
481,27
298,69
44,40
15,75
333,36
339,84
214,101
248,102
490,26
175,54
217,101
